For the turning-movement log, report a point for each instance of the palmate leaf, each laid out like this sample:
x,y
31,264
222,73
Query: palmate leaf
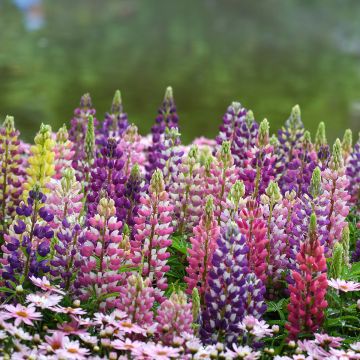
x,y
180,244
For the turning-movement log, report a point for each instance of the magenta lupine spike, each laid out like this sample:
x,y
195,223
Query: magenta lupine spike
x,y
252,224
10,174
174,318
104,250
335,184
203,245
307,294
353,174
137,299
223,176
187,191
277,217
64,152
108,175
259,166
78,128
152,237
225,298
115,122
132,149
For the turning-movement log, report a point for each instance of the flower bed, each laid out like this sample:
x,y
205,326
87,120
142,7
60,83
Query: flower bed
x,y
116,245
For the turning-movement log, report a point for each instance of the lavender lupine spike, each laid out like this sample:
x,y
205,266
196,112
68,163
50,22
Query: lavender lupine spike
x,y
27,242
78,128
276,216
10,174
225,297
334,184
152,238
260,164
353,174
186,191
107,175
116,121
167,118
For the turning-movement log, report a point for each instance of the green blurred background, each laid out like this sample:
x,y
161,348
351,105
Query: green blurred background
x,y
269,55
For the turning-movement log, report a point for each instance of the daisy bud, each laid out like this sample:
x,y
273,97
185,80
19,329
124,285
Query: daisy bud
x,y
96,348
275,328
113,356
109,330
36,338
102,333
19,289
76,303
291,344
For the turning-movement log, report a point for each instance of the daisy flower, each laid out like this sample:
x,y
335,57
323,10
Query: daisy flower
x,y
43,300
19,332
356,346
72,350
244,352
343,354
127,345
343,285
70,328
257,328
157,351
53,342
326,340
44,284
88,339
68,310
126,326
21,314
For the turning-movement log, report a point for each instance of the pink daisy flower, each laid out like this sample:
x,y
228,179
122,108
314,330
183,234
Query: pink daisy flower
x,y
72,350
19,333
21,314
326,340
126,345
44,284
157,351
126,326
68,310
257,328
343,285
70,328
53,342
43,300
245,352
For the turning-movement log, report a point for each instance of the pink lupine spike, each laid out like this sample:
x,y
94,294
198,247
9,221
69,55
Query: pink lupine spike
x,y
152,228
203,245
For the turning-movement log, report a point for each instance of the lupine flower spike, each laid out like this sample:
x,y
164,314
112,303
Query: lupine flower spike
x,y
307,295
10,175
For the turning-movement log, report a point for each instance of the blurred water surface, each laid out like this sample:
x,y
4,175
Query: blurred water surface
x,y
269,55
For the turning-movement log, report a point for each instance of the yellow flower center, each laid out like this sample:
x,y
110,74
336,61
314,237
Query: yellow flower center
x,y
22,313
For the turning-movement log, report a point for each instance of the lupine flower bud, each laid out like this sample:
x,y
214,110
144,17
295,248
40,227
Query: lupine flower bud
x,y
320,137
337,161
89,145
315,185
347,144
273,192
195,304
345,242
337,261
263,138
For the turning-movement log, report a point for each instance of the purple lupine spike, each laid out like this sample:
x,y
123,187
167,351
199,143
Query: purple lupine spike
x,y
78,128
115,122
259,169
353,174
240,129
167,119
134,189
27,242
225,296
107,175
